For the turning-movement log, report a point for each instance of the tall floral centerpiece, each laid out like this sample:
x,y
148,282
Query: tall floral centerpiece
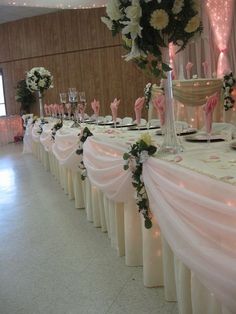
x,y
147,28
38,80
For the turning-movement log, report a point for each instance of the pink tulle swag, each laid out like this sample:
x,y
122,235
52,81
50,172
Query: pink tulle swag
x,y
159,105
208,109
114,108
138,106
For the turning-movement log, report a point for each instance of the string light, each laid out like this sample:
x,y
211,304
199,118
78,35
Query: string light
x,y
63,4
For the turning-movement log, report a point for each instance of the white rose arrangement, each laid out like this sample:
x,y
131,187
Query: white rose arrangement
x,y
39,79
147,26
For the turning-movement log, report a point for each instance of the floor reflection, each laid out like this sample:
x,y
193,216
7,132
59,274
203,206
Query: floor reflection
x,y
7,185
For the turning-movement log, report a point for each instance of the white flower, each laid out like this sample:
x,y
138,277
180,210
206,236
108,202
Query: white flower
x,y
159,19
134,53
192,24
134,11
113,10
139,198
142,191
143,156
107,21
132,28
177,7
41,83
39,78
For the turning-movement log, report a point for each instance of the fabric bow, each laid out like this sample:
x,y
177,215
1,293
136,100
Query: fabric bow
x,y
138,106
114,108
208,109
159,105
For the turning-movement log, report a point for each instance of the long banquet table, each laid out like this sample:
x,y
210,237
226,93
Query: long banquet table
x,y
191,247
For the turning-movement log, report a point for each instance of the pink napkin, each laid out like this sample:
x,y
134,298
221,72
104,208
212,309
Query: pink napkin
x,y
114,108
56,109
159,105
205,68
208,109
95,106
188,69
46,110
138,106
61,110
51,109
68,108
81,109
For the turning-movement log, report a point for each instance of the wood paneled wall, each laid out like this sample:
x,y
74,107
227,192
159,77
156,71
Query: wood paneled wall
x,y
78,50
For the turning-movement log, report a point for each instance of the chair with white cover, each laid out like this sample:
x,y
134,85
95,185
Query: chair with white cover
x,y
155,122
118,120
108,118
181,125
127,120
143,122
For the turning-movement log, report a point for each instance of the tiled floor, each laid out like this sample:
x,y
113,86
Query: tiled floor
x,y
52,261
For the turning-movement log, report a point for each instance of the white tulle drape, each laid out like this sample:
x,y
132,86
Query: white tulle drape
x,y
197,217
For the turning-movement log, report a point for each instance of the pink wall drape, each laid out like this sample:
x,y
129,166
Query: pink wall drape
x,y
221,16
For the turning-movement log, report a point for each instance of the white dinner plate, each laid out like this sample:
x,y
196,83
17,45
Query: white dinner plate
x,y
143,128
184,132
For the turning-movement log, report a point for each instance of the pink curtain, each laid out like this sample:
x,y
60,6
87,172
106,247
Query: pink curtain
x,y
221,16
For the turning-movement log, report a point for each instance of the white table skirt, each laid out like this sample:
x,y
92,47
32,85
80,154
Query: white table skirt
x,y
126,231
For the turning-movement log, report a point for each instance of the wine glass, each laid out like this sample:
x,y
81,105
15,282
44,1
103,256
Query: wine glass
x,y
73,99
63,99
82,99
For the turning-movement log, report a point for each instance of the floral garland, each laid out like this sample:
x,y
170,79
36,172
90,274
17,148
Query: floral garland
x,y
228,82
42,122
85,133
39,79
147,94
134,159
149,25
55,128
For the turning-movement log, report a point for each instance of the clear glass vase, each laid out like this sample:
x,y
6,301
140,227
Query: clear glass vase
x,y
40,98
171,142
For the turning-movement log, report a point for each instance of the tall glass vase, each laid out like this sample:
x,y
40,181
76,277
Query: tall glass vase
x,y
171,142
40,97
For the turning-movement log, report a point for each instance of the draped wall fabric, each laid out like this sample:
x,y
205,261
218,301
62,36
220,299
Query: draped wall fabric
x,y
203,49
221,15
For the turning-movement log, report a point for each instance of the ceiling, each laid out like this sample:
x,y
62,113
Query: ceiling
x,y
19,9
